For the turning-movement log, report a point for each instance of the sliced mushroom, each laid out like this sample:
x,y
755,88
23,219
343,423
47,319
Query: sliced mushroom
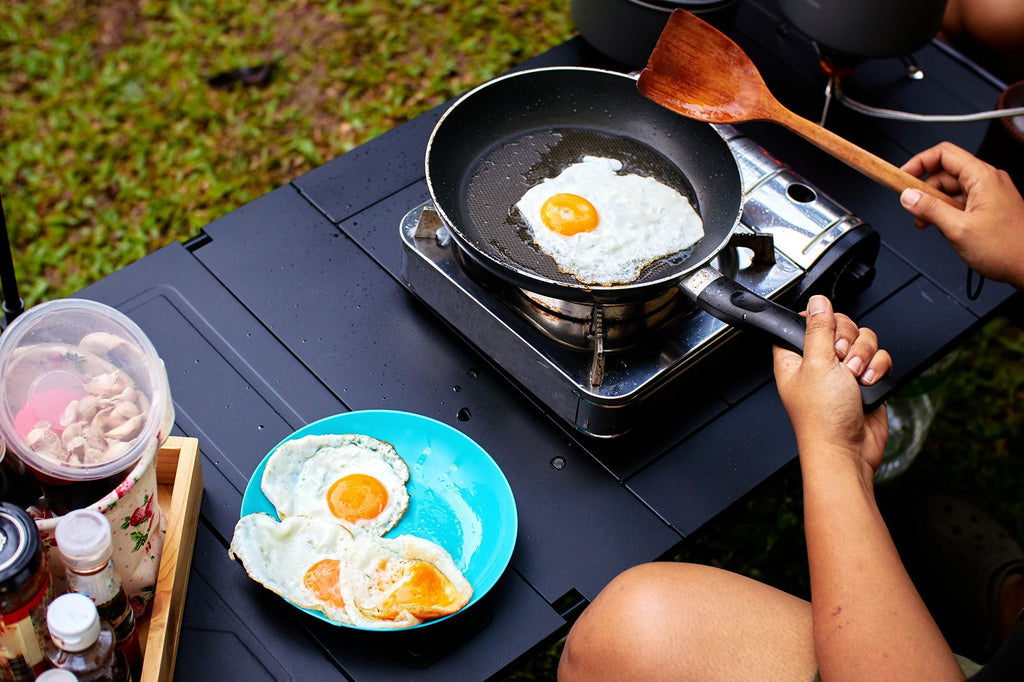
x,y
106,385
96,437
142,401
88,406
72,431
94,455
127,430
116,449
125,411
76,448
103,343
101,420
44,440
70,414
129,395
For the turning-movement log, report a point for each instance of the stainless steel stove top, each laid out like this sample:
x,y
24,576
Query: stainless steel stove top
x,y
595,381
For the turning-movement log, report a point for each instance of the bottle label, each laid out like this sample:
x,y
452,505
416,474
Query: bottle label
x,y
101,586
23,634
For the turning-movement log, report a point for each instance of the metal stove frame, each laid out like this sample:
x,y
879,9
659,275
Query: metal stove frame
x,y
801,221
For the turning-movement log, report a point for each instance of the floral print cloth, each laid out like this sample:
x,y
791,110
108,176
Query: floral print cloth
x,y
138,526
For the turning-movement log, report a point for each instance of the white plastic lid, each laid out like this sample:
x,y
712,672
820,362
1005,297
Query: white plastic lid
x,y
73,621
84,540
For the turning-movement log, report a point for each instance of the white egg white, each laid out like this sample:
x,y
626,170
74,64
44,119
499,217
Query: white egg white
x,y
277,554
639,221
300,472
376,588
372,587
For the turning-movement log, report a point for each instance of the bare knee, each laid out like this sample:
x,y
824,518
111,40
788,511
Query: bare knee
x,y
643,612
686,621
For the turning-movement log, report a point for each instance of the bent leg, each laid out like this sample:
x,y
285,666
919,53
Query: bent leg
x,y
674,621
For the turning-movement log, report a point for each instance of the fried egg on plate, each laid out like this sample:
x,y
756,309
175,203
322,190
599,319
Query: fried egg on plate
x,y
604,227
368,582
354,480
400,582
298,557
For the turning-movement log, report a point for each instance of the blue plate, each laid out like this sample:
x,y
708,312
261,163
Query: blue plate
x,y
459,498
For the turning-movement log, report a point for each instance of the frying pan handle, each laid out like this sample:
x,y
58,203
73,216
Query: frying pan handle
x,y
730,302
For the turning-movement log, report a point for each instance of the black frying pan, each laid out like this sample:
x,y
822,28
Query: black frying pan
x,y
507,135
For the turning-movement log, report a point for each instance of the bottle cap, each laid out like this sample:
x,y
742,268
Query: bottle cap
x,y
20,549
73,621
83,538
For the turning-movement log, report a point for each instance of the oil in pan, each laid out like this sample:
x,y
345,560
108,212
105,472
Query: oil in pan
x,y
505,173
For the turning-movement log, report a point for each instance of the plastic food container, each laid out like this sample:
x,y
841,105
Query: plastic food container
x,y
83,395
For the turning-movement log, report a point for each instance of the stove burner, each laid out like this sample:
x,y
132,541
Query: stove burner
x,y
598,365
599,328
623,324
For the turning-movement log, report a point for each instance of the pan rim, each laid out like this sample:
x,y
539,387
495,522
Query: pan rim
x,y
571,289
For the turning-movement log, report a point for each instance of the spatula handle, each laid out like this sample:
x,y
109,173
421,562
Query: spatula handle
x,y
874,167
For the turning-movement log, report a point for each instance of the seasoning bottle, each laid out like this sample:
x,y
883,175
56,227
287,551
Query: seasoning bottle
x,y
85,544
81,643
24,596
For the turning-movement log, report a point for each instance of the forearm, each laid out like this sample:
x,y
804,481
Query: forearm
x,y
869,622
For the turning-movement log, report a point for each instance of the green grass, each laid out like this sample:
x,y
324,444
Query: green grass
x,y
112,144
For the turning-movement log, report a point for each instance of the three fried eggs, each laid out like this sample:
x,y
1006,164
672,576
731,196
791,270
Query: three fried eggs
x,y
336,495
603,226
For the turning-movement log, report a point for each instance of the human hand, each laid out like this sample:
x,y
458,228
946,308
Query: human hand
x,y
988,233
820,392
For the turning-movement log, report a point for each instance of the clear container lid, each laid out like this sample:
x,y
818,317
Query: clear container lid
x,y
73,622
84,540
83,392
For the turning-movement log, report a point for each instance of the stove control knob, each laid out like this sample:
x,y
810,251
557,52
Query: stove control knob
x,y
845,270
853,280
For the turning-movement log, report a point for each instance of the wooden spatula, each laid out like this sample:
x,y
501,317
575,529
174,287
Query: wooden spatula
x,y
697,71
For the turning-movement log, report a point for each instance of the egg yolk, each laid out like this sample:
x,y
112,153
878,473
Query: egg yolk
x,y
357,497
422,590
568,214
322,580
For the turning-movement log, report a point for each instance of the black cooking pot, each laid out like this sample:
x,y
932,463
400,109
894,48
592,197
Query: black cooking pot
x,y
626,30
867,28
505,136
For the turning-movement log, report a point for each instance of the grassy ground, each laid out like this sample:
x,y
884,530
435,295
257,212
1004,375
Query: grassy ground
x,y
113,142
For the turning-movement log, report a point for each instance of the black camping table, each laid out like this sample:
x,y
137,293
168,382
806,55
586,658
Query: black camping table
x,y
292,308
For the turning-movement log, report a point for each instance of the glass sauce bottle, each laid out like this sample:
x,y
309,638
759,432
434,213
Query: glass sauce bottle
x,y
24,596
85,544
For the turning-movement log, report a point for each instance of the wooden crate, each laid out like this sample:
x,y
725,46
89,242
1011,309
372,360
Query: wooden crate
x,y
179,476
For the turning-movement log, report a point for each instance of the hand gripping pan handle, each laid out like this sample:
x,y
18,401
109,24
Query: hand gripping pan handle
x,y
731,302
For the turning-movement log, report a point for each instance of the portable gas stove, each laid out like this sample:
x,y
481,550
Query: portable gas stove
x,y
595,364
